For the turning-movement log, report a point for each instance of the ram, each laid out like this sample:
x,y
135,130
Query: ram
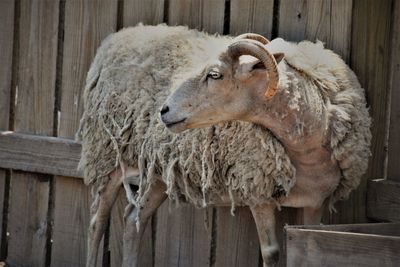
x,y
302,141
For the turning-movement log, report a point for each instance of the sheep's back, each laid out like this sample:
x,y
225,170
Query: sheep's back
x,y
127,83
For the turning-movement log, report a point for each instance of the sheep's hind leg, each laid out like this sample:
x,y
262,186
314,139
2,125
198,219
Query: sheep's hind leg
x,y
264,218
100,214
135,223
312,215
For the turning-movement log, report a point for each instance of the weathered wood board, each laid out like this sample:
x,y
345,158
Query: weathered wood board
x,y
183,238
35,153
251,16
71,220
338,247
236,238
205,15
148,12
6,44
86,24
393,168
29,194
370,61
383,202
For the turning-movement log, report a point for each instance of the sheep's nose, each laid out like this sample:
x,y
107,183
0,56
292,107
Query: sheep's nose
x,y
164,110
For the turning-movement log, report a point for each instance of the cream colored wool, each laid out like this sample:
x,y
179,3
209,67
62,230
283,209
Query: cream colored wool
x,y
126,86
130,78
341,94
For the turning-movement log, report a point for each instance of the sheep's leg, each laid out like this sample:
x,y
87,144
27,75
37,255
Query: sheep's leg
x,y
312,215
135,223
264,218
100,214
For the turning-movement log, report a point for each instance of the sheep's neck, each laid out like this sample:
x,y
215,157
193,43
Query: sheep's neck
x,y
301,127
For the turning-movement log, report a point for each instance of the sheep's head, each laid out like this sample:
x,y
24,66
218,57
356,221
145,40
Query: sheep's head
x,y
226,90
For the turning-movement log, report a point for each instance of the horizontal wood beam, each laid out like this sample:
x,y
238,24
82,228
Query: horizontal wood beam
x,y
337,247
383,200
41,154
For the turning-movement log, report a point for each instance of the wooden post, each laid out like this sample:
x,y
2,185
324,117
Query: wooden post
x,y
36,74
6,44
86,24
370,61
393,168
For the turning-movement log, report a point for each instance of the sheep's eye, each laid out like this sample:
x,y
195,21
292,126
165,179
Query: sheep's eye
x,y
213,74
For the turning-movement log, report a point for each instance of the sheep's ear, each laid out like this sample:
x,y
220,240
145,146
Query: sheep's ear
x,y
278,57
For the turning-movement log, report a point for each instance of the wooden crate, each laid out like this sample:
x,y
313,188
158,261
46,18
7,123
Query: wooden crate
x,y
374,244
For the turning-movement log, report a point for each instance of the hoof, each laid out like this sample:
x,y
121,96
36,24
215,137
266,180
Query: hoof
x,y
271,258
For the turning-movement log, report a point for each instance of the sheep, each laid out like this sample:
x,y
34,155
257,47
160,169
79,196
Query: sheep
x,y
308,98
236,162
122,136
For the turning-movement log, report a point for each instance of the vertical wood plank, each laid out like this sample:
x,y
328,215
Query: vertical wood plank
x,y
251,16
327,21
370,61
86,24
29,194
6,44
237,241
71,220
182,238
147,12
393,169
205,15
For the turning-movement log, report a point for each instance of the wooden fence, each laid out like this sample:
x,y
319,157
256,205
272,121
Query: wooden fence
x,y
46,47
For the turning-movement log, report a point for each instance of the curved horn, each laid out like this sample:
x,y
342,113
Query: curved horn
x,y
256,49
252,36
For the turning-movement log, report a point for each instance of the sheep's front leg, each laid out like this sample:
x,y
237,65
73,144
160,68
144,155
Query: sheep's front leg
x,y
264,218
135,222
100,213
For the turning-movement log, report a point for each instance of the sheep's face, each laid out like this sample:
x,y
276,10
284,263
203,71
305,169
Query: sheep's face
x,y
224,91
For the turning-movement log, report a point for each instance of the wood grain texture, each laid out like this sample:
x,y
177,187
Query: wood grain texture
x,y
148,12
389,229
370,61
205,15
182,238
327,21
29,193
308,247
6,52
37,67
237,241
34,153
116,236
393,168
71,220
27,220
383,202
251,16
86,24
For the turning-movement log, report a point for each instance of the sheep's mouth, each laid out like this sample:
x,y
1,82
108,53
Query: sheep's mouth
x,y
175,123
